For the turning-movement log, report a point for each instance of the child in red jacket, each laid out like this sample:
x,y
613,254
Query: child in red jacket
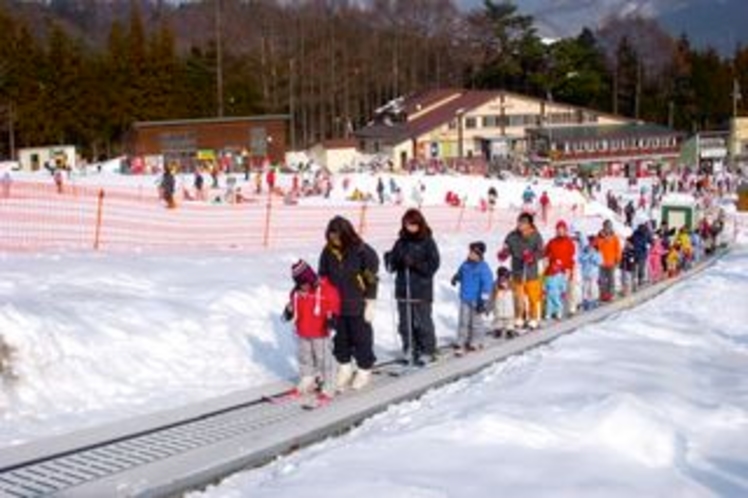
x,y
314,306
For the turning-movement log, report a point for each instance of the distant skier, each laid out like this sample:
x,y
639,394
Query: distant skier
x,y
168,185
380,190
629,211
7,181
415,260
313,307
351,265
476,281
545,206
59,178
528,199
270,179
199,184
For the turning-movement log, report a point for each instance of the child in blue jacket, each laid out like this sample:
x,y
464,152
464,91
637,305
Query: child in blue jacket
x,y
590,261
555,287
476,282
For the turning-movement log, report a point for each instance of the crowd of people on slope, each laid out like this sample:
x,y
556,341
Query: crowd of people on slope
x,y
209,184
534,282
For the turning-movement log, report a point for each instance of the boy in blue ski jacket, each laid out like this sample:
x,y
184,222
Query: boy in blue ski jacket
x,y
476,282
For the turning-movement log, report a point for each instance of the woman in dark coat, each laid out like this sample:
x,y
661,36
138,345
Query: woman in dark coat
x,y
351,265
415,260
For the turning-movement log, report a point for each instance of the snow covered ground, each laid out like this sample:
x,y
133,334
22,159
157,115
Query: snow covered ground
x,y
653,402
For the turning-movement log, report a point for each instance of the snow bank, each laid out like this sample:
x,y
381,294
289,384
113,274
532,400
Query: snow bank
x,y
101,338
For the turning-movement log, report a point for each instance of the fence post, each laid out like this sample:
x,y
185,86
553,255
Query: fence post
x,y
462,214
268,210
362,218
99,213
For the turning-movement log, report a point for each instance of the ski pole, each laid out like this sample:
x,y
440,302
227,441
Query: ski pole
x,y
409,316
394,313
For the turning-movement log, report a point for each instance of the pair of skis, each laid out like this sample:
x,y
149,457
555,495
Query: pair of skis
x,y
310,401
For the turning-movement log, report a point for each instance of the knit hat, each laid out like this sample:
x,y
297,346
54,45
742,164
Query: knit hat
x,y
302,273
503,274
561,225
478,248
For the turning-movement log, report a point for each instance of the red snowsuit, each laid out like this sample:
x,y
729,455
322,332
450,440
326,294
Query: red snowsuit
x,y
312,309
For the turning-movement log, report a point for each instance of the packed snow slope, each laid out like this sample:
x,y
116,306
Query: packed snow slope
x,y
653,402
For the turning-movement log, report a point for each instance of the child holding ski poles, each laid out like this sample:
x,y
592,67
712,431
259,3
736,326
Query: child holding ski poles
x,y
476,280
415,260
313,309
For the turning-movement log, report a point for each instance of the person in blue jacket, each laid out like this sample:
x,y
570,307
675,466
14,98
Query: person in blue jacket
x,y
476,282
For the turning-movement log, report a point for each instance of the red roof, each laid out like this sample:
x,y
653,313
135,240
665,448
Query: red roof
x,y
436,117
424,100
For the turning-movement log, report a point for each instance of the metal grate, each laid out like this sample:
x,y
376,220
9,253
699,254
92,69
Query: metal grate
x,y
59,473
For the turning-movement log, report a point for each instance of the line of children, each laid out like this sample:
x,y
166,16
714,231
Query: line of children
x,y
315,303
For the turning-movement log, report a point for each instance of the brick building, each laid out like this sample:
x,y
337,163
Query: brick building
x,y
252,138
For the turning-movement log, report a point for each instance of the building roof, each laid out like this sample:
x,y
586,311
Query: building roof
x,y
438,116
424,100
628,130
216,120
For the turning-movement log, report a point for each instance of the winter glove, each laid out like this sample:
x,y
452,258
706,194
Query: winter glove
x,y
409,262
454,280
388,261
480,307
287,315
504,254
369,307
528,257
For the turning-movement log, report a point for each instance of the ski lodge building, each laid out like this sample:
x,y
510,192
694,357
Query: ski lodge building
x,y
460,126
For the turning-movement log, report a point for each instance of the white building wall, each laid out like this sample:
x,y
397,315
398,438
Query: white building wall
x,y
34,158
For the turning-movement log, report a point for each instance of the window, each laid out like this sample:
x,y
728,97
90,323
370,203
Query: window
x,y
471,123
491,121
178,141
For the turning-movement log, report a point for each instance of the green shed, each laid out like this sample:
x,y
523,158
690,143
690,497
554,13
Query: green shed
x,y
679,211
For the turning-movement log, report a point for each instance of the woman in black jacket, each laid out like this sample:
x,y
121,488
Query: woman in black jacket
x,y
415,260
351,265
